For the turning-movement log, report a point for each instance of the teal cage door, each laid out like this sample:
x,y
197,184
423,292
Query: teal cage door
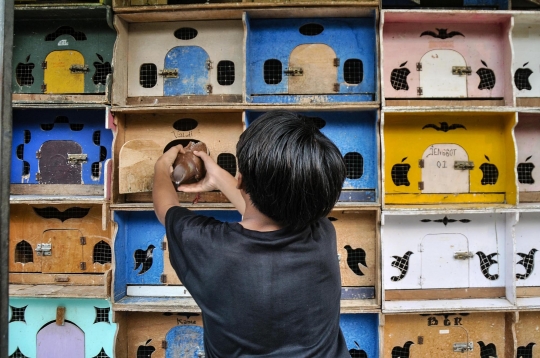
x,y
185,341
56,341
186,71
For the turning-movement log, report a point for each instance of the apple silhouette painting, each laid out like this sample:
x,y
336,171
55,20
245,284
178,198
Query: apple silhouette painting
x,y
400,173
490,173
487,77
102,70
398,77
145,351
23,73
357,353
521,78
525,172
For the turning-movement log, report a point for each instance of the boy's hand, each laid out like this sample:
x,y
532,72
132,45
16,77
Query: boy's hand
x,y
168,158
212,179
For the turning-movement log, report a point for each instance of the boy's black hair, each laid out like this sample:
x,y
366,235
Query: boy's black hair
x,y
292,172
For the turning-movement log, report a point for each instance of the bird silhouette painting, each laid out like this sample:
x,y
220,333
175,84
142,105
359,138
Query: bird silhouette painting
x,y
354,258
357,353
402,264
444,126
527,261
402,352
525,351
485,263
442,34
144,258
487,351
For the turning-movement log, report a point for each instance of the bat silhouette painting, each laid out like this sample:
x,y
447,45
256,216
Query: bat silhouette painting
x,y
144,258
444,126
355,257
442,34
70,213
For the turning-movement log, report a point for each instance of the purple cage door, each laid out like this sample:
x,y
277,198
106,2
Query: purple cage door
x,y
65,341
54,167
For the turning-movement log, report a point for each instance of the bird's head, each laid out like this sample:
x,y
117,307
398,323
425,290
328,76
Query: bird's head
x,y
151,247
408,344
407,254
481,344
533,251
347,247
530,345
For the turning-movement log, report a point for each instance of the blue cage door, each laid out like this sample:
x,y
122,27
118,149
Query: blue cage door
x,y
185,341
193,75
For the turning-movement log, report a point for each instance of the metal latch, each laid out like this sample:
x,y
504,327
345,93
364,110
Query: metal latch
x,y
336,87
294,71
463,255
44,249
463,165
79,68
420,185
44,87
169,72
419,66
461,70
463,347
209,89
44,65
77,158
420,163
83,266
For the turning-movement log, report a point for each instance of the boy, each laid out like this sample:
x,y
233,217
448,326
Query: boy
x,y
268,286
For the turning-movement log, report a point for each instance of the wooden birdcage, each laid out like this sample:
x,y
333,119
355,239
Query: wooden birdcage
x,y
526,60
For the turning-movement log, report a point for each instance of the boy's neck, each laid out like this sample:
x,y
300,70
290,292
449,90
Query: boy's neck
x,y
254,220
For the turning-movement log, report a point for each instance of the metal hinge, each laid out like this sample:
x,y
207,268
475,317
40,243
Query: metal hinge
x,y
38,176
44,65
209,88
44,87
463,255
83,265
420,163
463,347
461,70
420,185
38,154
164,344
420,340
163,278
77,158
208,64
463,165
169,72
294,71
336,87
79,68
336,62
44,249
419,66
83,240
164,245
419,91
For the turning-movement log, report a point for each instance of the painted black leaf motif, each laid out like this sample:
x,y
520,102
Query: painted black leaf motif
x,y
403,64
100,57
484,63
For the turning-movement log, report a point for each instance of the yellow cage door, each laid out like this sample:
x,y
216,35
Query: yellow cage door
x,y
60,77
65,252
316,62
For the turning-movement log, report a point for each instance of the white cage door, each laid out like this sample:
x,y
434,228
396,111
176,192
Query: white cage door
x,y
440,269
438,173
436,78
316,62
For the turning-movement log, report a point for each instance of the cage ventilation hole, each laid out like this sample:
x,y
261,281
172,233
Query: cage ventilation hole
x,y
317,121
96,137
184,143
225,73
24,252
524,171
20,151
273,71
61,119
148,75
23,73
66,30
186,33
102,70
356,257
228,162
102,253
102,314
185,124
400,174
17,354
96,170
76,127
311,29
487,78
101,354
354,162
353,71
102,153
51,212
47,126
521,78
26,168
17,314
491,174
398,78
27,136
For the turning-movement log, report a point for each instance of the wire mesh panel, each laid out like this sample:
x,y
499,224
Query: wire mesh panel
x,y
228,162
66,30
225,73
23,73
311,29
102,253
353,71
273,70
102,354
102,314
148,75
17,314
354,162
24,252
186,33
52,212
18,354
185,124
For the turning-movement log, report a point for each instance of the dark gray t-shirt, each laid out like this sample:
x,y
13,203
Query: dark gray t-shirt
x,y
264,294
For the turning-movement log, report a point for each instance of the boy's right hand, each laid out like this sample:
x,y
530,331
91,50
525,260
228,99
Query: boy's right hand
x,y
212,179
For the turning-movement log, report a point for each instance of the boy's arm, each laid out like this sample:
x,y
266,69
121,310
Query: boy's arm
x,y
163,193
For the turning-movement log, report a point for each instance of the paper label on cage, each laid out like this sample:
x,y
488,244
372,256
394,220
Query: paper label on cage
x,y
444,331
63,43
441,44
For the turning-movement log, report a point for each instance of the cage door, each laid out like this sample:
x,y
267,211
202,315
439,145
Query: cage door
x,y
186,71
446,338
53,163
56,341
66,252
436,77
319,74
440,267
185,341
64,72
438,173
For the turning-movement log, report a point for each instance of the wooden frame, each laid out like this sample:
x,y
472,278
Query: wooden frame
x,y
525,65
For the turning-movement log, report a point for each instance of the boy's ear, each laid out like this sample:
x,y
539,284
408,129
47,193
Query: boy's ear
x,y
239,184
